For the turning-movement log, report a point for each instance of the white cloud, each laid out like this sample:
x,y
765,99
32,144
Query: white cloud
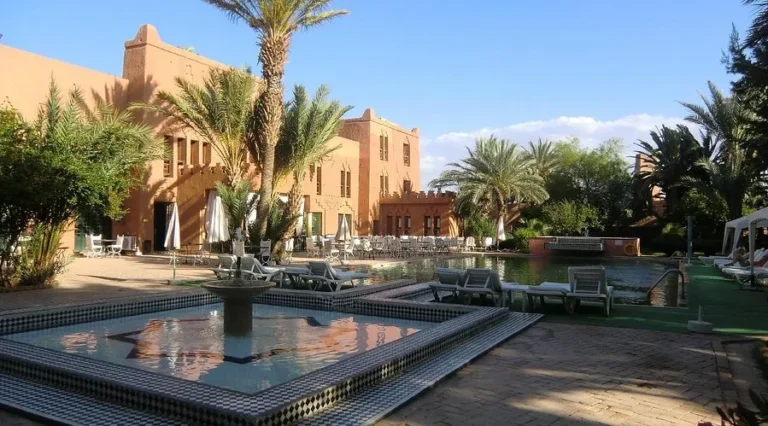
x,y
449,147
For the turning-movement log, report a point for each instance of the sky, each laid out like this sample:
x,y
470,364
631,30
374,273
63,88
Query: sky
x,y
455,69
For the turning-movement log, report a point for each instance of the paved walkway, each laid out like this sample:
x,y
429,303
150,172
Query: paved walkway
x,y
96,279
578,375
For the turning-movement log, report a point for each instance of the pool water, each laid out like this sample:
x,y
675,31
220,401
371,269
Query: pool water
x,y
631,279
190,343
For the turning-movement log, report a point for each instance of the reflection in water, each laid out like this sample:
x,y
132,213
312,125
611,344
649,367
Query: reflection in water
x,y
190,343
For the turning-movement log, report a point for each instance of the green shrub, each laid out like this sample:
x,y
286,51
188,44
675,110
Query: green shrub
x,y
519,239
478,227
570,218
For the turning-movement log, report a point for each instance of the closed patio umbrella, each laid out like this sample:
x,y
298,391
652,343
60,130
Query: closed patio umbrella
x,y
343,235
216,223
500,235
173,235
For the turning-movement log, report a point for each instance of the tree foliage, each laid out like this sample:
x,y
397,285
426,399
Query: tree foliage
x,y
495,174
569,217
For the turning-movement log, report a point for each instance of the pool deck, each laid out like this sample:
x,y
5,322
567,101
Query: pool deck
x,y
640,366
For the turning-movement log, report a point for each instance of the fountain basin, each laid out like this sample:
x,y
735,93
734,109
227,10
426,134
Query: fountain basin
x,y
238,302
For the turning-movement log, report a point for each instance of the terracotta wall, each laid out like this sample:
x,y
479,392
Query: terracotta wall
x,y
611,247
150,65
417,205
368,130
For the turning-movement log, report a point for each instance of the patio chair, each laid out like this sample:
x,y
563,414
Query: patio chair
x,y
366,249
446,280
288,250
588,283
322,274
469,244
330,253
547,289
483,282
115,249
315,249
91,248
226,266
265,251
201,256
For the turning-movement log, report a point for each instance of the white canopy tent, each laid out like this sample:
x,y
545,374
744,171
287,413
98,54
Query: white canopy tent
x,y
738,226
758,219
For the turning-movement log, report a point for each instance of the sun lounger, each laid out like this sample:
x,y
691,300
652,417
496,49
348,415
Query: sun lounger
x,y
226,266
323,274
743,276
589,283
482,282
446,280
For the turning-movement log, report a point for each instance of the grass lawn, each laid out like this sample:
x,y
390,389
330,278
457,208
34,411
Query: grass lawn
x,y
729,309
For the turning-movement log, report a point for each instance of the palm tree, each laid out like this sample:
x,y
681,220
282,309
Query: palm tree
x,y
494,175
274,21
675,159
730,162
308,126
544,156
237,203
219,111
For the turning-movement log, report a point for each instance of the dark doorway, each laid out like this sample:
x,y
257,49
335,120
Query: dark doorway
x,y
163,211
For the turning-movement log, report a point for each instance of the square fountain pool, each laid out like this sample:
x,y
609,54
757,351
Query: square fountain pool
x,y
190,344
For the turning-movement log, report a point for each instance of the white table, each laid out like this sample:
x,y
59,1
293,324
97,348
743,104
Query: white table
x,y
508,291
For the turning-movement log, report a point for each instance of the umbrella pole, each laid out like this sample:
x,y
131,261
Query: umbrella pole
x,y
174,265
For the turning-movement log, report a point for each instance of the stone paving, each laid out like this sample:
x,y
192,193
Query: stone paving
x,y
563,374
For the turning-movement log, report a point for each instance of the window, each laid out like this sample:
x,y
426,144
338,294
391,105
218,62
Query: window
x,y
407,154
349,184
427,225
406,186
390,225
381,147
398,225
407,226
317,223
182,150
206,153
194,152
168,156
376,230
386,148
319,176
349,221
343,181
437,226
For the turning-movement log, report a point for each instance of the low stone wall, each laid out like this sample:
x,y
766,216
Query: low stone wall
x,y
612,246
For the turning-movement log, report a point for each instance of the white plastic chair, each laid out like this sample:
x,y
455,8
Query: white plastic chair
x,y
265,250
93,247
115,249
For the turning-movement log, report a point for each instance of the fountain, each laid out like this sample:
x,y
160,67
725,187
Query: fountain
x,y
238,294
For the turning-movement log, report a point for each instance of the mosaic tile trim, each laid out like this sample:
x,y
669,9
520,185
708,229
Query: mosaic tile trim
x,y
402,292
203,404
55,405
409,309
59,316
374,403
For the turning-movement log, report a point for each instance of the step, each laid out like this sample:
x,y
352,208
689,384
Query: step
x,y
52,405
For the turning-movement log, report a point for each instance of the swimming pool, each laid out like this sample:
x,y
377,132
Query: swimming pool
x,y
190,344
631,278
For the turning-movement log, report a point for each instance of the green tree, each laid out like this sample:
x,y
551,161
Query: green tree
x,y
734,169
569,217
274,22
235,201
493,176
72,160
675,159
219,111
308,127
597,177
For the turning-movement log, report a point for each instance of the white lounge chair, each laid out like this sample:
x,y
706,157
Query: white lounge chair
x,y
589,283
446,280
322,274
226,266
92,249
545,290
483,282
743,276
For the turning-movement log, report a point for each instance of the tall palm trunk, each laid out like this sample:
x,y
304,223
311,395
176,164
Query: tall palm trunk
x,y
269,117
292,206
